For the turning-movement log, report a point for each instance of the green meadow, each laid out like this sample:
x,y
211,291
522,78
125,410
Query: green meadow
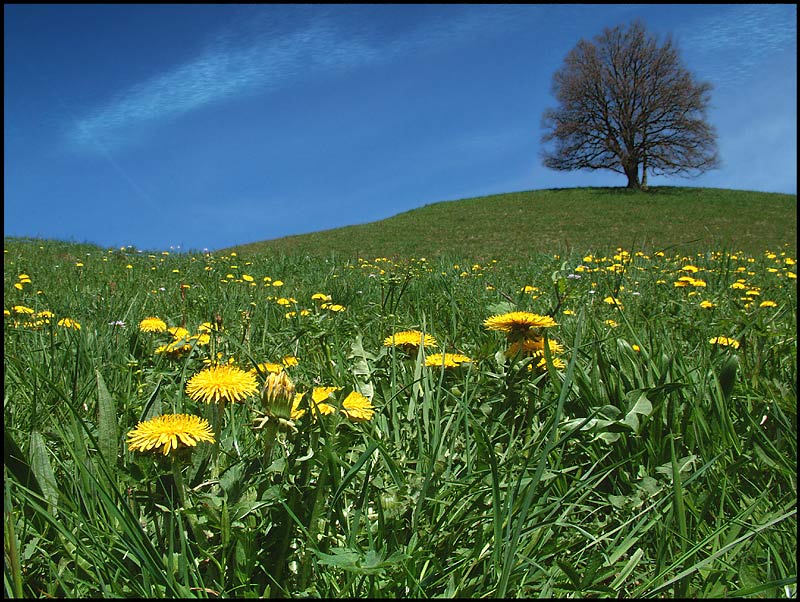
x,y
563,393
515,225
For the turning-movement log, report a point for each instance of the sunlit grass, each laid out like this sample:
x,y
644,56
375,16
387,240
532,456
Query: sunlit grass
x,y
618,452
513,227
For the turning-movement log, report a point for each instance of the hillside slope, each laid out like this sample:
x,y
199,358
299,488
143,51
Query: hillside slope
x,y
515,224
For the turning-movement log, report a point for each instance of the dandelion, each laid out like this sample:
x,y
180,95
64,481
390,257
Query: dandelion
x,y
69,323
518,322
613,301
278,395
707,304
221,384
297,412
267,368
534,347
558,364
21,309
768,304
409,340
209,327
725,342
169,432
178,332
152,324
448,360
319,396
357,407
201,339
174,350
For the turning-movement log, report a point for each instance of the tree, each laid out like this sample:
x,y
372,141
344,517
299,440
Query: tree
x,y
627,102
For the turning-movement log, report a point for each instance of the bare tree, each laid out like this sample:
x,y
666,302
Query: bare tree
x,y
627,102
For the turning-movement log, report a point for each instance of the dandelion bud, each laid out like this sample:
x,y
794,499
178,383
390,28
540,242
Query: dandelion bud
x,y
278,395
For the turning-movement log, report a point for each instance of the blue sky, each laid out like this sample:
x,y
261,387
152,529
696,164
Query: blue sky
x,y
206,126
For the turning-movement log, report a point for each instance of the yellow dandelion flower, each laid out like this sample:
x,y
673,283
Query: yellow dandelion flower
x,y
558,363
534,347
409,338
725,342
297,412
278,395
178,332
208,327
21,309
173,350
357,407
169,432
768,304
266,368
319,396
220,384
613,301
707,304
518,322
69,323
448,360
152,324
201,339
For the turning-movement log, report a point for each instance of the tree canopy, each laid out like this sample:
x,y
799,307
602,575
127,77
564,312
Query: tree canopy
x,y
627,102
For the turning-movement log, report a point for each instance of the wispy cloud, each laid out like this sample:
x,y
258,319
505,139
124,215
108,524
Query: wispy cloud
x,y
731,45
220,72
257,57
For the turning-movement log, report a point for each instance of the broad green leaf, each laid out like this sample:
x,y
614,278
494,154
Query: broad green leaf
x,y
40,464
360,368
727,375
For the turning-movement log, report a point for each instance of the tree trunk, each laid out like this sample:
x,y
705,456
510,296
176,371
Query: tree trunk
x,y
632,171
644,173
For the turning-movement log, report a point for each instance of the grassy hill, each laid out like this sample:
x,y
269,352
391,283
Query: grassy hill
x,y
512,225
